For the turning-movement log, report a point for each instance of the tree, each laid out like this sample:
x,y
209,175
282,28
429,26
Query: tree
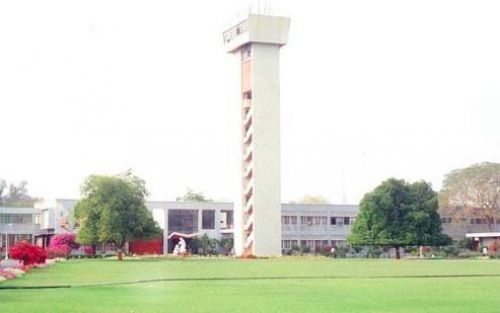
x,y
192,196
17,194
398,214
3,185
113,210
472,192
312,199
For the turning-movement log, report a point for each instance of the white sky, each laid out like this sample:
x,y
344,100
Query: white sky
x,y
370,90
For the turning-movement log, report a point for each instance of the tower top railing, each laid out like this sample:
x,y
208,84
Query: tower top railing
x,y
257,28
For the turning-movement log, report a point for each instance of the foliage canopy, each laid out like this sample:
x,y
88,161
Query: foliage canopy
x,y
192,196
113,210
472,192
397,213
312,199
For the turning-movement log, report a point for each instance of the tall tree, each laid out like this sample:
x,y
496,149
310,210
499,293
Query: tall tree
x,y
472,192
113,210
398,214
192,196
3,185
17,194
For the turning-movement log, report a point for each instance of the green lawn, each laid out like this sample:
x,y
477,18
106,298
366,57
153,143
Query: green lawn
x,y
275,285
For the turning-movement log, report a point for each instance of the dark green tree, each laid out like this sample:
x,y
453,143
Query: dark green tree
x,y
113,210
398,214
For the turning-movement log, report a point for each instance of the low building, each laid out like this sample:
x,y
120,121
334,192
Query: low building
x,y
56,217
457,228
315,226
483,239
302,225
17,224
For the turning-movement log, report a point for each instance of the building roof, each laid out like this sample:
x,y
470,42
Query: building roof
x,y
349,209
18,210
482,235
346,207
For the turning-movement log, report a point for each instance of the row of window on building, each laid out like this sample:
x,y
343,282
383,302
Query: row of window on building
x,y
317,220
13,239
449,220
16,218
186,221
312,244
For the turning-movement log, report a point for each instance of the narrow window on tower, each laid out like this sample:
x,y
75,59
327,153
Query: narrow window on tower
x,y
246,53
247,100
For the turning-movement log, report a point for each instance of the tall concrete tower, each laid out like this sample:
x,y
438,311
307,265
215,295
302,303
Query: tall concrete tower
x,y
257,213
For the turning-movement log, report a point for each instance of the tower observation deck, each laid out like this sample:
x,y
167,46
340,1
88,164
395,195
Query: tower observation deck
x,y
257,213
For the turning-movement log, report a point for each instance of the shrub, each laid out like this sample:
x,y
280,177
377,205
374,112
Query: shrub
x,y
465,243
64,240
494,246
28,253
326,250
60,245
286,251
58,252
89,250
450,251
207,245
469,254
227,245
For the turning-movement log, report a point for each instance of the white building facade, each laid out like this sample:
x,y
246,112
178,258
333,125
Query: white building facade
x,y
300,225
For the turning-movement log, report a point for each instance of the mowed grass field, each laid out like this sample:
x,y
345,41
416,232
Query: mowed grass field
x,y
273,285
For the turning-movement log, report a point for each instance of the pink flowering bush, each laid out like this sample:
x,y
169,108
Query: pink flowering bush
x,y
60,245
89,250
58,252
68,240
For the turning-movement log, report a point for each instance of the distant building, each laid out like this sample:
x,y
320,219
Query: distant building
x,y
17,224
483,239
302,225
457,228
315,225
